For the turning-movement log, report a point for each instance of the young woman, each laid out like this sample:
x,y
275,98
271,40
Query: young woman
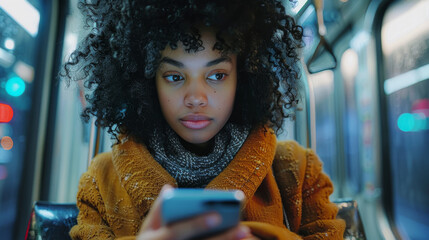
x,y
194,92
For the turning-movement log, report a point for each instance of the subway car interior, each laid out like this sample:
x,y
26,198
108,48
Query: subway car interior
x,y
364,110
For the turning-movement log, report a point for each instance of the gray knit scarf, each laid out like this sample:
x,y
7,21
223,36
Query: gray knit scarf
x,y
189,169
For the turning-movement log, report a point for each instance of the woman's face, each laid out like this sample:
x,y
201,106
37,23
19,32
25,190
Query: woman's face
x,y
196,90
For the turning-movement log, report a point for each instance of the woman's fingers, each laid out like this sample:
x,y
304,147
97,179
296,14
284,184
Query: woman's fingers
x,y
198,225
152,227
153,219
239,232
194,226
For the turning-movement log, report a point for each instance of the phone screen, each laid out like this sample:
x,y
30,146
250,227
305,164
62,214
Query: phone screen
x,y
180,204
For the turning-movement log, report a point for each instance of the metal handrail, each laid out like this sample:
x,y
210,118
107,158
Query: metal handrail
x,y
94,141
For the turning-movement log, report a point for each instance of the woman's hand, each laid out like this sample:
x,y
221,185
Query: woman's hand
x,y
152,228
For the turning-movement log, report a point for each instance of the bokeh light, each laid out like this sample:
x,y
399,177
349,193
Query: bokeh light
x,y
15,86
349,64
413,122
9,44
406,122
6,143
6,113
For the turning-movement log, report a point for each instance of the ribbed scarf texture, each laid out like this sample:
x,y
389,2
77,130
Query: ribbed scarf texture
x,y
189,169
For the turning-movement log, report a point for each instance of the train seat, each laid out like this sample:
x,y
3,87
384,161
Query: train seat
x,y
348,210
51,220
54,220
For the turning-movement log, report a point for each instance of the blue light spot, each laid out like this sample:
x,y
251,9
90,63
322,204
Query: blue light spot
x,y
15,86
420,122
406,122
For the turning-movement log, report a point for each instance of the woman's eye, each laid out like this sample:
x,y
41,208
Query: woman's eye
x,y
173,78
217,76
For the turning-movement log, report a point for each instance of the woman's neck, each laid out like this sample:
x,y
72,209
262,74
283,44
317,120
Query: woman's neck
x,y
201,149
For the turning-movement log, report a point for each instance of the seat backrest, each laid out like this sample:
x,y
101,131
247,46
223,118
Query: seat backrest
x,y
54,220
51,220
348,210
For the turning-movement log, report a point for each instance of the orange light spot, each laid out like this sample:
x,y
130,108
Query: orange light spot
x,y
6,143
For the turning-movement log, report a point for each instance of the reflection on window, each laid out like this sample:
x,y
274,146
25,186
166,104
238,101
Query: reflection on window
x,y
19,24
323,87
406,57
351,127
297,5
23,13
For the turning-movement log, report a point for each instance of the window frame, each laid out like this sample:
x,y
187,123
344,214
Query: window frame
x,y
31,184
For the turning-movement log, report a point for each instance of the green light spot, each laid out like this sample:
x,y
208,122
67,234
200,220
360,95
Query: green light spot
x,y
15,86
406,122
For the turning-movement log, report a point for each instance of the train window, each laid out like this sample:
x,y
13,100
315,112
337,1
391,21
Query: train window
x,y
349,67
323,87
405,47
20,50
71,134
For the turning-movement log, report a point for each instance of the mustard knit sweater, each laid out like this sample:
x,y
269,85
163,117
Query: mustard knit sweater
x,y
117,191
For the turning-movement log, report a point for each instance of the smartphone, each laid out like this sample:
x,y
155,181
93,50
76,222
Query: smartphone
x,y
180,204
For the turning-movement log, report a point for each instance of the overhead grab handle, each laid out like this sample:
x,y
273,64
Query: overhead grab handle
x,y
323,44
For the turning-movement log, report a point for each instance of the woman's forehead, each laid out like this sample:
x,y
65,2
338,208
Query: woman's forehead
x,y
196,60
208,40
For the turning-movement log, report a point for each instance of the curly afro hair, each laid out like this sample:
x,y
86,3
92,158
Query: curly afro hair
x,y
119,57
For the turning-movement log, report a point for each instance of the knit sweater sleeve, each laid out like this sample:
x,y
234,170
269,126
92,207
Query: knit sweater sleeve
x,y
318,213
305,191
91,223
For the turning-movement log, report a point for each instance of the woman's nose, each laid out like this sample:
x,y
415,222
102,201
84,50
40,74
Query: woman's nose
x,y
196,94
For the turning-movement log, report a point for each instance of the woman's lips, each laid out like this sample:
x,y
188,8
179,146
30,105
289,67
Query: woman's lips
x,y
195,122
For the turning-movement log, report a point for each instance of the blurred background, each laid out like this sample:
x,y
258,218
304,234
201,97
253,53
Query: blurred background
x,y
365,69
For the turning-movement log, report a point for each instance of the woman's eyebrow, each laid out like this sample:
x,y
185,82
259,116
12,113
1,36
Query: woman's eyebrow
x,y
219,60
172,62
209,64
